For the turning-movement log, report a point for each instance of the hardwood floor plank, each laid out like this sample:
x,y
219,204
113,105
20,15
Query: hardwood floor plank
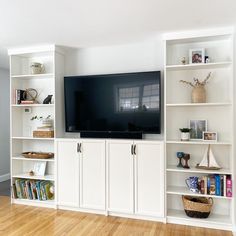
x,y
19,220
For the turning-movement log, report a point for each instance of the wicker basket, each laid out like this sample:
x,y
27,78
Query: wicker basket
x,y
197,207
38,155
43,134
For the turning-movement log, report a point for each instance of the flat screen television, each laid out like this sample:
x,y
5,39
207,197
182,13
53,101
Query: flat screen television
x,y
113,105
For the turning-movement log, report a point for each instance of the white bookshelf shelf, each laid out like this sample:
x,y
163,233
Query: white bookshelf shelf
x,y
32,138
172,168
30,76
197,142
179,190
198,66
217,219
20,158
27,176
198,104
32,105
37,203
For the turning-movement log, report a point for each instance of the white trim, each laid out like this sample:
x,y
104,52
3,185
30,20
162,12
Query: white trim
x,y
5,177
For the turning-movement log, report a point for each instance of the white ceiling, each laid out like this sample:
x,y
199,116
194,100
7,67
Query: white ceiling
x,y
85,23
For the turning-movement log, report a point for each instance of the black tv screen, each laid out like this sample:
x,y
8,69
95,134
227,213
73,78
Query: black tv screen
x,y
128,102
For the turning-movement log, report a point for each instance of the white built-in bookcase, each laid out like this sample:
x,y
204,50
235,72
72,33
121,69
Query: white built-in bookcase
x,y
50,82
218,111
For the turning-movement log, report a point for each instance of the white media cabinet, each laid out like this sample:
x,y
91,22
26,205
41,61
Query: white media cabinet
x,y
111,177
131,178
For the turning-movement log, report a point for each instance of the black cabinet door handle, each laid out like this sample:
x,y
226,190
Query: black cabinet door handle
x,y
78,147
132,149
135,149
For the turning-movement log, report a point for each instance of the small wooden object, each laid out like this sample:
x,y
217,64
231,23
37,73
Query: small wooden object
x,y
31,173
186,157
43,134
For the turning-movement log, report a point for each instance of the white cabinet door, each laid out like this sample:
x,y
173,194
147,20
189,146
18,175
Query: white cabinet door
x,y
149,178
120,176
68,173
92,174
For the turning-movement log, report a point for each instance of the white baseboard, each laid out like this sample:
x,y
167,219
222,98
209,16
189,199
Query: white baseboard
x,y
4,177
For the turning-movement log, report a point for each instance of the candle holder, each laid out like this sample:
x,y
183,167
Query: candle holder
x,y
186,159
180,156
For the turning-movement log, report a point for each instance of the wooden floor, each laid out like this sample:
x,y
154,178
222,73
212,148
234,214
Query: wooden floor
x,y
21,220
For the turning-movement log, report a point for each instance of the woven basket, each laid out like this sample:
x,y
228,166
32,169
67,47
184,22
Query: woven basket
x,y
38,155
197,207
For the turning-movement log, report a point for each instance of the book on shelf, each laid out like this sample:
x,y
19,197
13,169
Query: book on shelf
x,y
218,185
27,102
18,96
33,189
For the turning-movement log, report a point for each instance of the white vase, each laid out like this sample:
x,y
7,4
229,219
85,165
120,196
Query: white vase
x,y
185,136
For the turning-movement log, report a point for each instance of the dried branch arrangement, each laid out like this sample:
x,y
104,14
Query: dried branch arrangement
x,y
196,82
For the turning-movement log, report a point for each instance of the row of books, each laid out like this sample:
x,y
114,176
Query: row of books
x,y
33,189
18,96
219,185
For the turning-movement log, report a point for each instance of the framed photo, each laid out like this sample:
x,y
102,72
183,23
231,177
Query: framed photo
x,y
197,55
40,168
209,136
197,128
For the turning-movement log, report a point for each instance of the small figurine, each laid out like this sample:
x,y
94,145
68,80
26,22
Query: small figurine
x,y
48,99
183,60
186,159
207,59
180,155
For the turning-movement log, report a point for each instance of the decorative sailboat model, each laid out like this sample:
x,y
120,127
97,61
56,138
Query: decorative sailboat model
x,y
208,162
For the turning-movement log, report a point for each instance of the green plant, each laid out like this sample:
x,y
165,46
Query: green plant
x,y
197,82
185,130
40,117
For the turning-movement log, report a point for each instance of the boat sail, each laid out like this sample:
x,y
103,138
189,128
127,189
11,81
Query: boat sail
x,y
208,162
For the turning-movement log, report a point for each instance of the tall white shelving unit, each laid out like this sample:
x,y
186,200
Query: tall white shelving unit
x,y
22,140
218,111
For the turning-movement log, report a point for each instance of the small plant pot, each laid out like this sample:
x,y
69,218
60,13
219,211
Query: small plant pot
x,y
185,136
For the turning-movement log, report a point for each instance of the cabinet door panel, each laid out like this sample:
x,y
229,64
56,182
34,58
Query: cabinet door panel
x,y
120,177
92,174
149,183
68,173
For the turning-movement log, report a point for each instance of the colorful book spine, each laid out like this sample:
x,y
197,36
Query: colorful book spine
x,y
228,187
217,185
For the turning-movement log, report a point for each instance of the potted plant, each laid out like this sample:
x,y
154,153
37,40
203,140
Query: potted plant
x,y
198,92
185,134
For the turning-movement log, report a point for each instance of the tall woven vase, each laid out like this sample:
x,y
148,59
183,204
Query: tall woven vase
x,y
199,94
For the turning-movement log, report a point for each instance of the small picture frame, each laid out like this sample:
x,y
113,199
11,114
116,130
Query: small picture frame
x,y
196,55
210,136
40,168
197,128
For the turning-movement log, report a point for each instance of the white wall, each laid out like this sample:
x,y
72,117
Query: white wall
x,y
4,125
140,56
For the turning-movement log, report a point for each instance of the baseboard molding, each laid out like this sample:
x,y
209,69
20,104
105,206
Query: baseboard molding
x,y
4,177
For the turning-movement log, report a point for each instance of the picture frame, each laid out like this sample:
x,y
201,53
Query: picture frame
x,y
210,136
40,168
197,128
196,55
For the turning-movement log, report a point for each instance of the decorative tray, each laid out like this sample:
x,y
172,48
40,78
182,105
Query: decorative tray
x,y
38,155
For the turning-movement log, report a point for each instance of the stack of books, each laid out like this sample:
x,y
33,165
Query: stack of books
x,y
219,185
18,96
33,189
